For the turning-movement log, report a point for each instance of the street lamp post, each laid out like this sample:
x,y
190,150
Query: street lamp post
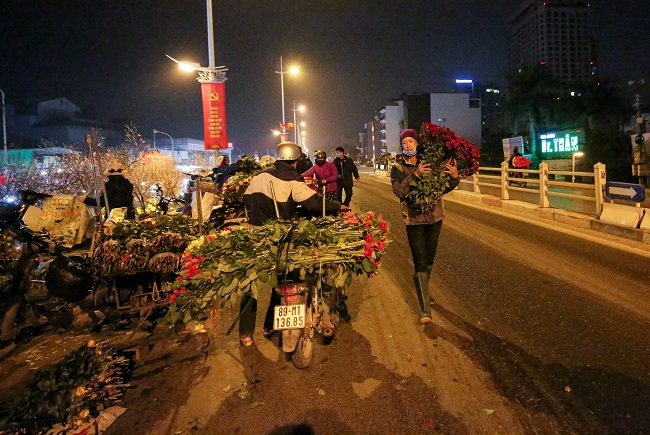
x,y
573,166
282,72
4,126
300,108
162,132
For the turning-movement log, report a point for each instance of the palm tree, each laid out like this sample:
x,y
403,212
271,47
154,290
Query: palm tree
x,y
532,99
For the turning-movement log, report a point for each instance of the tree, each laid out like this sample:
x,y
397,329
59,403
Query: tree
x,y
531,101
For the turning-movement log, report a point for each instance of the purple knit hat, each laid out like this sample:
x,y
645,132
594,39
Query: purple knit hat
x,y
409,132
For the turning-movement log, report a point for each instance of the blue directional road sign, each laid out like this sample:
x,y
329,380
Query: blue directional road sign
x,y
626,191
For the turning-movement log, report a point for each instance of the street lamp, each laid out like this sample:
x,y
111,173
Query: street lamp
x,y
300,108
4,126
162,132
577,154
302,124
292,70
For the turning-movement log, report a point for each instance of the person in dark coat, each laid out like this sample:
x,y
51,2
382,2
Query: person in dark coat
x,y
303,164
346,169
422,228
119,191
277,189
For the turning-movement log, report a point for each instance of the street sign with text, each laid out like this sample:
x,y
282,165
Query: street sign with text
x,y
626,191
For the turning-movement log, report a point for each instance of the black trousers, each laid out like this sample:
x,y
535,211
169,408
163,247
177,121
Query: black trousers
x,y
348,194
248,310
423,241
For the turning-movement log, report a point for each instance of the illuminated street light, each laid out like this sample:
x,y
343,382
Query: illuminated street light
x,y
577,154
292,70
300,108
162,132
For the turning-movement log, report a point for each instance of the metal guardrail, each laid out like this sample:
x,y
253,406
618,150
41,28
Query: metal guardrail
x,y
543,180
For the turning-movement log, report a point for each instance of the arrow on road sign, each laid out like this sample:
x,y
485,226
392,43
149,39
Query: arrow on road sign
x,y
626,191
622,191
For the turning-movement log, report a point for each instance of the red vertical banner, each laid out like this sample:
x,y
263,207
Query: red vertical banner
x,y
214,115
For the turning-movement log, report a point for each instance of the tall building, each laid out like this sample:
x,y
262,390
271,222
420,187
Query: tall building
x,y
558,35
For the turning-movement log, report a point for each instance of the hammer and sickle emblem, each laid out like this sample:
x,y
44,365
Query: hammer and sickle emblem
x,y
214,96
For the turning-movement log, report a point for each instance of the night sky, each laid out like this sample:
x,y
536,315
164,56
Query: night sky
x,y
108,57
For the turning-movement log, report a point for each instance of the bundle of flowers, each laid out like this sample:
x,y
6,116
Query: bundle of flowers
x,y
8,258
151,245
240,259
436,145
234,188
71,392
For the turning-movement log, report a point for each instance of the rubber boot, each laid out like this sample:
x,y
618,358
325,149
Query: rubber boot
x,y
431,300
422,289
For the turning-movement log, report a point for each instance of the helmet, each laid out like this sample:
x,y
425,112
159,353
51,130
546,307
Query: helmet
x,y
287,151
320,155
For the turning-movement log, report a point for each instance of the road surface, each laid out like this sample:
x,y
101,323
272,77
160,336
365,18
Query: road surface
x,y
535,331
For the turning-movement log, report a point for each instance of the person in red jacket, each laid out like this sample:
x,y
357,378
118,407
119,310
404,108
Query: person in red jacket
x,y
325,172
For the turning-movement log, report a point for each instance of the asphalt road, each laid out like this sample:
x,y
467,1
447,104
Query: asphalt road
x,y
535,331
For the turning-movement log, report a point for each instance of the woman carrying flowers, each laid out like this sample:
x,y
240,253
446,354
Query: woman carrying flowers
x,y
423,223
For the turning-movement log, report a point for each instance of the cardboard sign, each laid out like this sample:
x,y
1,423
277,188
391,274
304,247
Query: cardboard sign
x,y
64,217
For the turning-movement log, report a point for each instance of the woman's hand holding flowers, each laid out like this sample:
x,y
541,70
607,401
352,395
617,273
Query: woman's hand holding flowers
x,y
423,168
451,168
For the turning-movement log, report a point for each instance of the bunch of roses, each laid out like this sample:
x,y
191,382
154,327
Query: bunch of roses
x,y
436,145
241,259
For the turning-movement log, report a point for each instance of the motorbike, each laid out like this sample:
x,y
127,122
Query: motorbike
x,y
46,277
517,177
307,307
163,202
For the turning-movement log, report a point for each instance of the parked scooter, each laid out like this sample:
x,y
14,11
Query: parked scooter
x,y
45,278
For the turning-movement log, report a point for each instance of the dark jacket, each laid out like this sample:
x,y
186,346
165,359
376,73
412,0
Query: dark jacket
x,y
290,190
120,194
346,169
303,164
401,177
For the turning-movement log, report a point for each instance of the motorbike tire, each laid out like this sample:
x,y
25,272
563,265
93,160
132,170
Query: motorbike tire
x,y
301,357
69,279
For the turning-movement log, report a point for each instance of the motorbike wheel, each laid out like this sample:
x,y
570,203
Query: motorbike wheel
x,y
301,357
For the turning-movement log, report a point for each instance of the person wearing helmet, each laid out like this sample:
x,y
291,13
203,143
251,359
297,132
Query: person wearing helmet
x,y
325,172
279,184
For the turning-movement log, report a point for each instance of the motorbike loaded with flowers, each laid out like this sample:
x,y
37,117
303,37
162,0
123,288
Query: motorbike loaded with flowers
x,y
308,262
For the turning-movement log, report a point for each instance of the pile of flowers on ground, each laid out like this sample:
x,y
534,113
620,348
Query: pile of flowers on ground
x,y
436,145
240,259
152,245
70,393
8,259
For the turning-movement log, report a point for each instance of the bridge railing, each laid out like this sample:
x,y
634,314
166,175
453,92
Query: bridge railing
x,y
547,182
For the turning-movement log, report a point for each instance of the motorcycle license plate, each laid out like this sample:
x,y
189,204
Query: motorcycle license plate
x,y
289,317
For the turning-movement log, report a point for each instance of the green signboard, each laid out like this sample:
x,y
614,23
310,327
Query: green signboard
x,y
561,143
